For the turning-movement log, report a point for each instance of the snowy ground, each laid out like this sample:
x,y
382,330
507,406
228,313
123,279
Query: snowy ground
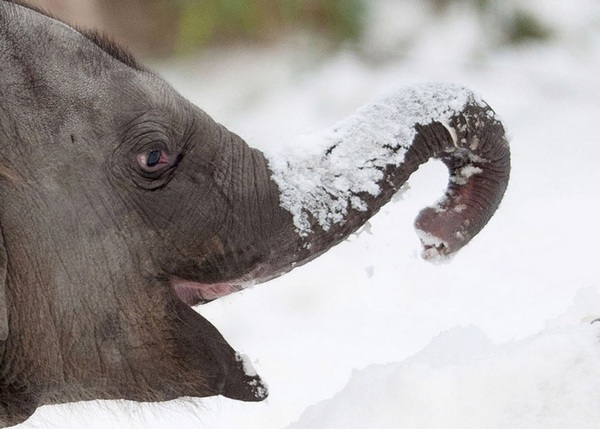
x,y
370,335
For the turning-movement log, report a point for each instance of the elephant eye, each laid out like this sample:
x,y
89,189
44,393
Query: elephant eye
x,y
154,161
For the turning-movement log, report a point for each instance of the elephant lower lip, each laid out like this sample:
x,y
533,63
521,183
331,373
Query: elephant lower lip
x,y
192,293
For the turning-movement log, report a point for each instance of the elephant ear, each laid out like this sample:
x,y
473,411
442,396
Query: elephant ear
x,y
3,302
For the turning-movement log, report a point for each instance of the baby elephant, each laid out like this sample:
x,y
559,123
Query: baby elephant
x,y
122,206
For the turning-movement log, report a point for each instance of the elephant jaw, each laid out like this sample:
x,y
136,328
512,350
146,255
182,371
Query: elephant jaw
x,y
228,372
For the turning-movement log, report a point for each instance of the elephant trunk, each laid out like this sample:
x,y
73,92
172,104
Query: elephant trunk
x,y
329,184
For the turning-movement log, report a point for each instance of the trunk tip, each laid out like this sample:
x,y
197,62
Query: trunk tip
x,y
441,234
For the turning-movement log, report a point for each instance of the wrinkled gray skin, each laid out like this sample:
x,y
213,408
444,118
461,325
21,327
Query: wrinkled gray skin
x,y
113,188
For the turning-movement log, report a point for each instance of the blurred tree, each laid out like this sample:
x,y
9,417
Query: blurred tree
x,y
510,20
162,27
339,19
210,21
218,21
147,27
523,27
165,27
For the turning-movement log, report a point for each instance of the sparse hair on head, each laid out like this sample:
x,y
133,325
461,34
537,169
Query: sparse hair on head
x,y
99,39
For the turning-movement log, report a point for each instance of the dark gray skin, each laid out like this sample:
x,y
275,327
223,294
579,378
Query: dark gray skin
x,y
115,191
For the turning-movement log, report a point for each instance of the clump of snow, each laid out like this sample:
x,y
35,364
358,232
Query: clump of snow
x,y
322,175
260,387
246,364
463,380
462,176
433,247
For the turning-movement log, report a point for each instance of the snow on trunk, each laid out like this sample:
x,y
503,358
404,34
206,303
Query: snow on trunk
x,y
322,175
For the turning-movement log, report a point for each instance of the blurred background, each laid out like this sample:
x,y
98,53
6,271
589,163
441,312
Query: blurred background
x,y
166,28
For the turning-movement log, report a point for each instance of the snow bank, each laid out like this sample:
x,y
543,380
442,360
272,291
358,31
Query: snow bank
x,y
461,380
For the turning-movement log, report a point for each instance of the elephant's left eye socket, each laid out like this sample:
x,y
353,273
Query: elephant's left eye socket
x,y
154,161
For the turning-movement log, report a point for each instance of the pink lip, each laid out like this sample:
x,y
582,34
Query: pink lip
x,y
197,293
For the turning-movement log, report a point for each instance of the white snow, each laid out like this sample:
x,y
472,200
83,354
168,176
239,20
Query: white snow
x,y
247,364
322,174
462,380
462,176
371,336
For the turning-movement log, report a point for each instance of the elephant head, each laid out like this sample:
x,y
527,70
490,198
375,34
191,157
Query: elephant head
x,y
122,206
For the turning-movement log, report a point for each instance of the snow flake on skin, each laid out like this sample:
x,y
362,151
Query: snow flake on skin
x,y
262,389
465,173
322,175
245,360
433,247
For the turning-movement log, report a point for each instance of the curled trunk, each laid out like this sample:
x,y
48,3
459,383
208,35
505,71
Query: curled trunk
x,y
327,185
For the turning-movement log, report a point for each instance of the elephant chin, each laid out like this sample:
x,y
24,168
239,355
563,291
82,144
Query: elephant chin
x,y
223,370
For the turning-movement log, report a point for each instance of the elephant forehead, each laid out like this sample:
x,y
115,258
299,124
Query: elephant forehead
x,y
82,66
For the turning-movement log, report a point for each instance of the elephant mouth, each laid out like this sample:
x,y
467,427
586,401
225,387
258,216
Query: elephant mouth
x,y
193,293
193,290
201,346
